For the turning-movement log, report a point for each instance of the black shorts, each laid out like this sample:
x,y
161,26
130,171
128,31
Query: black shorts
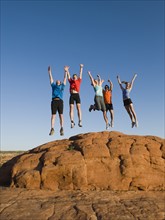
x,y
127,102
57,105
109,107
74,97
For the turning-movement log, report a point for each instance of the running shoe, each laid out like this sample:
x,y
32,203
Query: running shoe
x,y
111,124
136,124
51,131
80,124
107,126
72,124
133,124
61,131
90,108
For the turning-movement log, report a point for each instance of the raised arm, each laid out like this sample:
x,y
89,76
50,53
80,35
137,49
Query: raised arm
x,y
65,77
118,79
100,81
111,85
66,69
50,75
91,78
132,81
81,70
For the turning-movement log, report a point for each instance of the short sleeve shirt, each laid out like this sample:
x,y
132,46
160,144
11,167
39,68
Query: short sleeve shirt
x,y
75,84
57,90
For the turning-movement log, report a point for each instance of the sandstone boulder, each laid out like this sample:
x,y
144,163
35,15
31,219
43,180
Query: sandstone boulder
x,y
92,161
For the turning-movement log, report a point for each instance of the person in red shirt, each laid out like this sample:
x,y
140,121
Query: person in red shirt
x,y
107,93
75,82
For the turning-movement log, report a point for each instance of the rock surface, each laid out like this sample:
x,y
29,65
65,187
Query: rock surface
x,y
92,161
23,204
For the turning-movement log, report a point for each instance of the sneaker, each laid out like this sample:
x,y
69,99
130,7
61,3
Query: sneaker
x,y
51,131
61,131
111,124
90,108
79,124
72,124
133,124
136,124
107,126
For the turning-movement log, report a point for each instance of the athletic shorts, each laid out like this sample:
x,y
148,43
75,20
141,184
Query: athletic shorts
x,y
127,102
109,107
57,105
99,103
74,97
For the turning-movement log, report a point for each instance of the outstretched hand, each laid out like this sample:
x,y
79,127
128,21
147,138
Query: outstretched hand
x,y
49,69
66,68
81,65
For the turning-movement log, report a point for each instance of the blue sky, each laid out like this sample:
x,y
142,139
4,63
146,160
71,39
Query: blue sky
x,y
108,37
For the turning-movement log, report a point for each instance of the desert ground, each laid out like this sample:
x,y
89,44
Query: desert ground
x,y
8,155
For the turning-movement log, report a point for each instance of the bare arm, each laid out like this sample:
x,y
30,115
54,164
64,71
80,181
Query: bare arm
x,y
91,78
81,70
50,75
118,79
65,77
100,81
111,85
66,69
132,81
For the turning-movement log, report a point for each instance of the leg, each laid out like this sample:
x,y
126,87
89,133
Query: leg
x,y
127,107
72,115
112,117
129,112
79,113
61,124
54,106
52,124
134,114
105,119
53,117
97,105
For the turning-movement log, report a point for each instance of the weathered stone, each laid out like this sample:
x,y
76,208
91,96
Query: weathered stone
x,y
23,204
92,161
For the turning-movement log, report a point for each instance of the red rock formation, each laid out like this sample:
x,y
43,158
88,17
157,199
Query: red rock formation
x,y
103,160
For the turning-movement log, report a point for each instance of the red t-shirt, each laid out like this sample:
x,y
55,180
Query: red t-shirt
x,y
74,84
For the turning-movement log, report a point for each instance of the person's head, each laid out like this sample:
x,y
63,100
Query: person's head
x,y
58,82
106,87
75,76
127,85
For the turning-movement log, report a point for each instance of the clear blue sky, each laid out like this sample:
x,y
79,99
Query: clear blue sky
x,y
108,37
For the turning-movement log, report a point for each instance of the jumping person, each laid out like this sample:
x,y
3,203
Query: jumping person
x,y
99,101
107,93
57,101
75,82
127,101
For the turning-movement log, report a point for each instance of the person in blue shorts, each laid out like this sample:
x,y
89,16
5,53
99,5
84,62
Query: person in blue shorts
x,y
57,101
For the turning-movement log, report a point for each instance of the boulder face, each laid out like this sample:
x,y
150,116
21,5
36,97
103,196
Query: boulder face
x,y
91,161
